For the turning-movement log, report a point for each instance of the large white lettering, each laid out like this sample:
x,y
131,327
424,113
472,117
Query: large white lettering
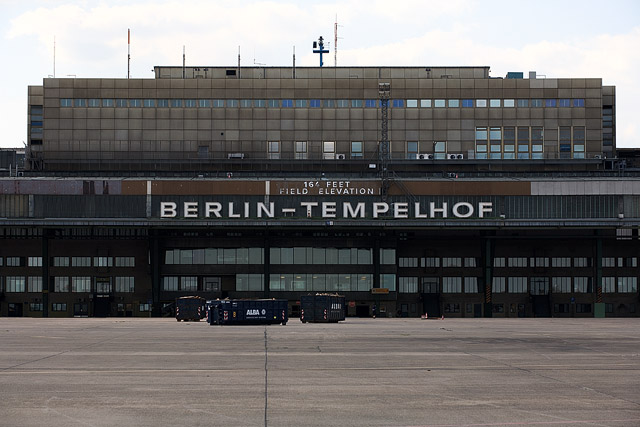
x,y
347,210
380,208
168,210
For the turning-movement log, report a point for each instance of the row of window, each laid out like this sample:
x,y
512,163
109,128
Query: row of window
x,y
79,284
62,307
560,262
63,261
320,103
298,255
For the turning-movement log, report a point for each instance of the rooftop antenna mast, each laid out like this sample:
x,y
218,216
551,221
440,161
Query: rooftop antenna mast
x,y
335,42
128,53
318,47
238,61
184,59
294,62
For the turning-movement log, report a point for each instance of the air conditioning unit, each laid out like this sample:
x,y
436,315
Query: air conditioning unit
x,y
598,156
452,156
235,156
460,156
424,156
341,156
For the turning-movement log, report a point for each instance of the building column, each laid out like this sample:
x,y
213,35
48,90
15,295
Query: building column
x,y
267,265
154,248
45,273
488,277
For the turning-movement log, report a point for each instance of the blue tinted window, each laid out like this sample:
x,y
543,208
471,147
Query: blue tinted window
x,y
578,102
315,103
259,103
523,102
176,103
550,103
232,103
398,103
287,103
163,102
371,103
190,103
342,103
204,103
218,103
149,102
467,103
65,102
564,103
79,102
121,102
301,103
274,103
536,102
356,103
137,103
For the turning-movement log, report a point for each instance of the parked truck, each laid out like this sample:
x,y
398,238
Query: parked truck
x,y
190,308
248,312
322,308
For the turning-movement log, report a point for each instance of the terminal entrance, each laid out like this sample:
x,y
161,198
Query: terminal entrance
x,y
431,305
540,297
15,310
80,309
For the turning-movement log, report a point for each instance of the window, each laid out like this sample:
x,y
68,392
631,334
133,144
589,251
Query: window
x,y
561,285
452,308
245,103
536,102
452,262
14,284
499,262
582,262
81,284
517,262
627,284
565,142
15,261
470,262
539,262
439,103
65,102
61,284
301,103
564,103
356,149
136,103
190,103
398,103
509,103
430,285
59,307
498,285
143,308
523,142
125,261
204,103
34,261
125,284
342,103
494,103
328,149
35,306
608,262
407,262
583,308
356,103
470,285
388,281
259,103
430,262
102,261
523,102
34,284
273,148
453,103
149,102
218,103
329,103
578,102
609,285
121,103
451,285
517,285
561,308
582,285
539,285
550,103
315,103
481,142
408,285
79,102
467,103
412,149
287,103
249,282
388,256
578,142
94,102
169,283
163,103
232,103
301,149
189,283
176,103
425,103
371,103
412,103
481,103
440,149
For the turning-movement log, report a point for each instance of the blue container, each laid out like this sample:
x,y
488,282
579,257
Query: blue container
x,y
248,312
322,308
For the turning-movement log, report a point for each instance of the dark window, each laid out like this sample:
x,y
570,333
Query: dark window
x,y
578,102
550,103
467,103
315,103
231,72
287,103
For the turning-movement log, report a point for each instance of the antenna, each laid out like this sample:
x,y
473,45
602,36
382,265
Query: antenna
x,y
128,53
294,62
335,42
183,63
318,47
238,61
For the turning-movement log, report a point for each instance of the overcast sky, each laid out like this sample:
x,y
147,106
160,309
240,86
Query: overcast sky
x,y
555,38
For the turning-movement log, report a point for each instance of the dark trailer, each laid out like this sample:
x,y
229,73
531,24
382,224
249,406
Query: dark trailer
x,y
190,308
249,312
323,308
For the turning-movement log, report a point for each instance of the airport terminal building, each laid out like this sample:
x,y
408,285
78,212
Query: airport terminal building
x,y
410,190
